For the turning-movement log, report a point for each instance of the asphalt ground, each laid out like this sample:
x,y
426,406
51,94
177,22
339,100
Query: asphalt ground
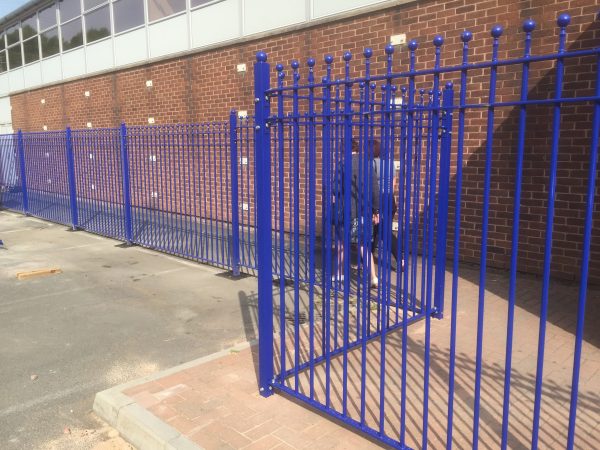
x,y
112,315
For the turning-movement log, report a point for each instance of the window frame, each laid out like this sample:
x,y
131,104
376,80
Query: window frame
x,y
137,27
107,5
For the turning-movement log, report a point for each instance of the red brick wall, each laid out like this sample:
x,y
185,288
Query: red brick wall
x,y
205,87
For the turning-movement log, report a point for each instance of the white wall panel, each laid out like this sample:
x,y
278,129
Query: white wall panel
x,y
216,23
99,56
32,75
5,111
15,80
73,63
168,36
4,88
51,69
130,47
324,8
263,15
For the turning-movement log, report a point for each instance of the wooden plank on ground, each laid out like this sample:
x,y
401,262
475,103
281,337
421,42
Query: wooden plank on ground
x,y
37,273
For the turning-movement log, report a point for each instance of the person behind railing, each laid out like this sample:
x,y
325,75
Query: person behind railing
x,y
385,171
356,191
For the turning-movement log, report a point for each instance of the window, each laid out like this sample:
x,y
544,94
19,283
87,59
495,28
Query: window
x,y
12,35
2,44
72,36
29,27
97,24
14,56
47,17
128,14
49,40
157,9
200,2
68,9
3,67
89,4
31,50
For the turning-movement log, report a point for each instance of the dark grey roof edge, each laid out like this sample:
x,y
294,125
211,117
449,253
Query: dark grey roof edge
x,y
31,5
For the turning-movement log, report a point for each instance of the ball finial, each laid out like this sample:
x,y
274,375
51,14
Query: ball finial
x,y
466,36
368,52
438,41
528,26
261,56
328,59
310,62
563,20
295,64
497,31
279,67
389,49
347,56
413,45
449,85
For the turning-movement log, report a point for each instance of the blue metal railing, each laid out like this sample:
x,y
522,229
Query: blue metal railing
x,y
185,189
325,319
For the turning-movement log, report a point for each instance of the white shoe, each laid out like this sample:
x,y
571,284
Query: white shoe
x,y
374,282
337,279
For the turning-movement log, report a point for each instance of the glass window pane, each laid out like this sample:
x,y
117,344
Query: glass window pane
x,y
14,57
49,41
157,9
200,2
12,35
47,17
3,67
68,9
89,4
2,45
97,24
31,50
72,36
128,14
29,27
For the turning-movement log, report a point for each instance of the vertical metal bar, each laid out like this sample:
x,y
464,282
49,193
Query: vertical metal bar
x,y
347,223
312,176
437,42
466,37
126,185
235,218
327,221
442,220
528,27
296,220
563,21
585,262
21,150
71,178
412,46
496,33
262,158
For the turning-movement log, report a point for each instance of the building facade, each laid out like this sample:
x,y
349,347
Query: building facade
x,y
96,63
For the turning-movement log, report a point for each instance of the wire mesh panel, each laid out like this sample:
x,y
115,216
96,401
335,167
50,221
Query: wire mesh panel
x,y
46,169
11,195
98,180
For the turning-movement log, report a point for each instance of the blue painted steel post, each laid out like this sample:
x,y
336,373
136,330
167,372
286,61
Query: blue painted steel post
x,y
126,185
21,150
262,161
442,221
71,178
235,213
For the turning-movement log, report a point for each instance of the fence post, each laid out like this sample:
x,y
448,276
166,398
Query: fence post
x,y
126,187
21,151
442,221
71,178
235,214
262,161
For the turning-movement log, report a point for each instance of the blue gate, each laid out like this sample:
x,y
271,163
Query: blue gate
x,y
340,160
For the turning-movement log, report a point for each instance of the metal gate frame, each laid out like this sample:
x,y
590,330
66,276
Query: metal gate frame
x,y
269,380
